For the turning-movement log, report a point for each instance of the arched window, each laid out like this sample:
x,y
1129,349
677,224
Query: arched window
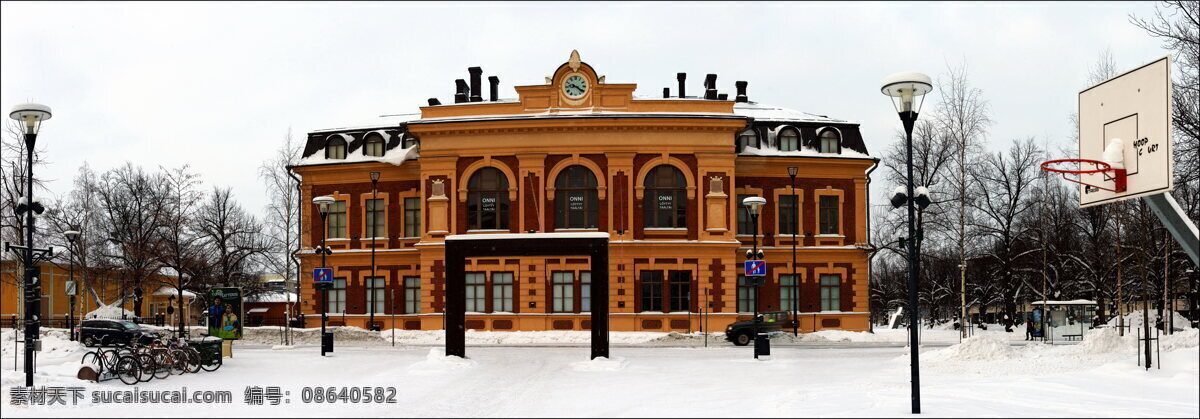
x,y
666,198
487,200
830,142
576,198
335,147
789,140
747,138
374,146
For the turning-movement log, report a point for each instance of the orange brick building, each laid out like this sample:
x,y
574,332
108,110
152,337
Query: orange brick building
x,y
663,176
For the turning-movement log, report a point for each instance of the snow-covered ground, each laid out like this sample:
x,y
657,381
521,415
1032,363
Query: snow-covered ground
x,y
846,376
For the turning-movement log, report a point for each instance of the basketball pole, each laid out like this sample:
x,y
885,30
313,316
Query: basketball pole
x,y
1120,299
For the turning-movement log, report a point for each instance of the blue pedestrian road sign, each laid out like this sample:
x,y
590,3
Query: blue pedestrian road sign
x,y
756,268
322,275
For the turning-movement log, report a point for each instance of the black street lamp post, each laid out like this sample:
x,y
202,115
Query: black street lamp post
x,y
753,205
906,87
323,203
792,171
31,116
71,235
374,203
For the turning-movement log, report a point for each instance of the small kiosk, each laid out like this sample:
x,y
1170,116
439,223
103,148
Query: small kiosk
x,y
1066,320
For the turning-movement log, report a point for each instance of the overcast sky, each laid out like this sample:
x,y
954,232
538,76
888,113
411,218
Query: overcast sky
x,y
218,85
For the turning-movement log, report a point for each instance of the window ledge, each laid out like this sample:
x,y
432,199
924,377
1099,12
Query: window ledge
x,y
577,229
666,229
337,239
489,231
829,236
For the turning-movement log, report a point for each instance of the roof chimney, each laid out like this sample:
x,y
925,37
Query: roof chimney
x,y
460,91
723,96
476,89
710,87
681,77
666,92
433,101
494,93
741,92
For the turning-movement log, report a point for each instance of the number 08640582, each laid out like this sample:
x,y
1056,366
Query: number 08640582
x,y
348,395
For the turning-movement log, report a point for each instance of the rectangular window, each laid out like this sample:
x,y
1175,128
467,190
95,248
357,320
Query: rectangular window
x,y
652,290
829,214
831,287
787,214
375,294
787,292
337,296
585,291
743,217
680,290
476,292
412,295
502,292
564,292
376,218
746,297
412,217
335,221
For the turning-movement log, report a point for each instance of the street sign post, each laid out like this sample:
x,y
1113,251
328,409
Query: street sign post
x,y
322,275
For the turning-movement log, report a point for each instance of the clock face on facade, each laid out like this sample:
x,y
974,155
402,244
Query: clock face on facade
x,y
575,86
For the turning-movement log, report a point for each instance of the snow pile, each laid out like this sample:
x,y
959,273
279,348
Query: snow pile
x,y
983,347
437,361
1106,340
600,364
1180,340
550,337
110,312
271,335
1134,320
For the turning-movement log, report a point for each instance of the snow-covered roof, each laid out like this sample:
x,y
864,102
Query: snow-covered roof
x,y
1066,303
166,291
382,121
572,235
761,112
588,113
272,297
395,157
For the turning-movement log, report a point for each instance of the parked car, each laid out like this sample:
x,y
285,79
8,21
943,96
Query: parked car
x,y
105,332
772,323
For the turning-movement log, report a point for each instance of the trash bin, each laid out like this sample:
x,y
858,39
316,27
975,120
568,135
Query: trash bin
x,y
762,345
327,342
209,348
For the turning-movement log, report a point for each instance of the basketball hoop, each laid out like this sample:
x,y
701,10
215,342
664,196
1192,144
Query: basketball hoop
x,y
1080,167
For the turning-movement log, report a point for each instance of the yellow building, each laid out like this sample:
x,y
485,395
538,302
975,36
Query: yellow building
x,y
55,304
663,176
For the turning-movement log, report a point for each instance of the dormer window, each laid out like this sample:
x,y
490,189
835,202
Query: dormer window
x,y
374,146
410,142
747,138
830,142
789,140
335,147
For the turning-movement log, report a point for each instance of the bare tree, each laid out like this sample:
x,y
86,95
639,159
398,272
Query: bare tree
x,y
180,242
281,219
133,211
1177,24
233,237
963,116
13,173
1005,180
79,212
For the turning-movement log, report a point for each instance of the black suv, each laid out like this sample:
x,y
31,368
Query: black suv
x,y
772,322
104,332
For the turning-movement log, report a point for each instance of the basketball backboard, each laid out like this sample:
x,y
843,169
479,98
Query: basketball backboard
x,y
1125,121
